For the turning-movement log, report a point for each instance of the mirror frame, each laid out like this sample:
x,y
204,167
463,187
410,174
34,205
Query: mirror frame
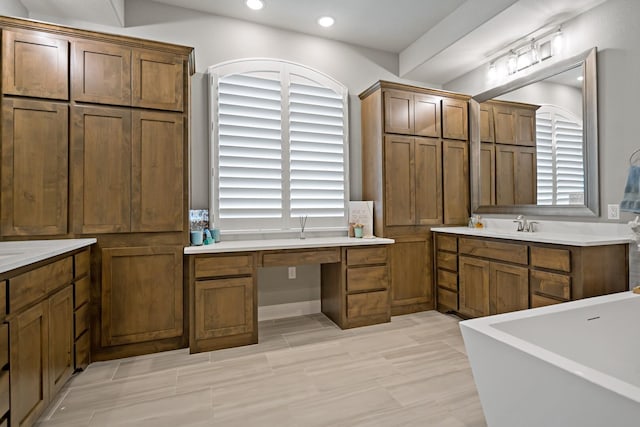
x,y
591,205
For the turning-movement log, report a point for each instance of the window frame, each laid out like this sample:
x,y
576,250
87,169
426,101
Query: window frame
x,y
285,70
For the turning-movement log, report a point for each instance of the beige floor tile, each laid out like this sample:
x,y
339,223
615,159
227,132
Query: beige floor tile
x,y
165,361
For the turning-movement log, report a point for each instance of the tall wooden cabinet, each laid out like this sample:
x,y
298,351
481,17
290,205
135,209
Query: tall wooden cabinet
x,y
416,170
95,144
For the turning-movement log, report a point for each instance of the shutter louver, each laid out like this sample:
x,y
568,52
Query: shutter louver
x,y
316,126
249,147
544,153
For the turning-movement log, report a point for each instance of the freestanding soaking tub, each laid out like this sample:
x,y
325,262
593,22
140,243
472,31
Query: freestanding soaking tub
x,y
575,364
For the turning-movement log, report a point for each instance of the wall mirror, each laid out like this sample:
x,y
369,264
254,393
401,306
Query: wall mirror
x,y
534,143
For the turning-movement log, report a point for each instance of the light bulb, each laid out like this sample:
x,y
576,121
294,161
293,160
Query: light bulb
x,y
492,73
254,4
533,53
326,21
512,63
557,42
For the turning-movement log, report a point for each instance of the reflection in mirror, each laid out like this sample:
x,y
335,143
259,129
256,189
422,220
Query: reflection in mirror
x,y
534,143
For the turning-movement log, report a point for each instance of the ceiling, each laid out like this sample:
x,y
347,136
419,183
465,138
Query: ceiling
x,y
435,40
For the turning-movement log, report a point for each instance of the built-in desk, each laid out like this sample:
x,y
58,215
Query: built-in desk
x,y
222,281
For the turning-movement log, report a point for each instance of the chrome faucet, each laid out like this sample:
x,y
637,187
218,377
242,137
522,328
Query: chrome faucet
x,y
524,224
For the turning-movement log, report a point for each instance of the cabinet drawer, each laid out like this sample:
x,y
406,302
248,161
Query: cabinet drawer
x,y
81,320
446,243
81,262
368,304
447,279
367,278
4,345
4,392
3,299
81,291
82,351
510,252
448,299
358,256
553,259
315,256
540,301
28,287
447,261
552,284
224,265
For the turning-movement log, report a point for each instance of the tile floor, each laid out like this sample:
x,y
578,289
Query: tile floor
x,y
304,372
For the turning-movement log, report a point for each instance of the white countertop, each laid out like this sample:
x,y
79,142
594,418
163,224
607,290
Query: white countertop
x,y
274,244
18,254
559,238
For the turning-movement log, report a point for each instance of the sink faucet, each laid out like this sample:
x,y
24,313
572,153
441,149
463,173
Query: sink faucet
x,y
524,224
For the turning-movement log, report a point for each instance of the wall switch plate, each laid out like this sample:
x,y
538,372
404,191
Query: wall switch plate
x,y
292,272
613,211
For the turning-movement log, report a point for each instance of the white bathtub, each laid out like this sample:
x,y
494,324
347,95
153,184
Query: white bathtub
x,y
575,364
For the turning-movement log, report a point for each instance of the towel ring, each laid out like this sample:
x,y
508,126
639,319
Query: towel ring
x,y
634,158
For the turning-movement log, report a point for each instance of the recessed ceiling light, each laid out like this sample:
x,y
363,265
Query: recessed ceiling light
x,y
580,78
326,21
254,4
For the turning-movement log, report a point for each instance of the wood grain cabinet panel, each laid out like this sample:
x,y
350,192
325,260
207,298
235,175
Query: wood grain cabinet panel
x,y
428,181
455,182
488,174
455,119
224,307
35,64
367,304
486,123
82,351
4,345
427,115
508,288
101,160
158,169
474,291
551,258
504,122
526,127
101,73
411,276
61,339
224,265
142,296
399,180
34,168
551,284
367,278
516,173
28,287
359,256
398,112
157,80
5,395
29,367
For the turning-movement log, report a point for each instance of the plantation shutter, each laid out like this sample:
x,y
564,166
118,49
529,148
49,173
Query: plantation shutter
x,y
544,153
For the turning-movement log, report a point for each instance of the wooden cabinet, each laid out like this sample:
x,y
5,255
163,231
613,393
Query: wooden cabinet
x,y
135,160
482,276
35,64
81,310
416,170
486,123
29,366
101,158
224,311
488,175
514,123
61,339
142,297
157,80
34,168
516,172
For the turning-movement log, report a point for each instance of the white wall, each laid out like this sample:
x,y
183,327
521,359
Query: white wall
x,y
13,8
542,93
613,28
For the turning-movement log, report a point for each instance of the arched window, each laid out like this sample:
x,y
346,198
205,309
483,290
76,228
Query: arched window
x,y
560,151
279,147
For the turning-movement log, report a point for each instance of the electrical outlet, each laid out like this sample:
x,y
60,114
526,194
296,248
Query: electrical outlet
x,y
613,211
292,272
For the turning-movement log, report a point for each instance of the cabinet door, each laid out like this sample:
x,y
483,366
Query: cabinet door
x,y
504,124
224,307
487,174
515,175
399,180
157,80
101,168
411,272
427,115
473,282
508,289
35,64
526,127
455,119
157,198
428,155
398,112
29,371
141,294
101,73
486,123
61,339
455,181
34,168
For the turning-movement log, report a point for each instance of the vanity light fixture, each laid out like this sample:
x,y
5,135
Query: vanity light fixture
x,y
254,4
326,21
557,42
512,63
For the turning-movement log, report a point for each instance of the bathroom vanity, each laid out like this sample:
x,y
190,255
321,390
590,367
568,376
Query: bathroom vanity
x,y
481,272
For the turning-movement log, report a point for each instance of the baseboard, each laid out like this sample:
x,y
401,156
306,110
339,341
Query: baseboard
x,y
279,311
